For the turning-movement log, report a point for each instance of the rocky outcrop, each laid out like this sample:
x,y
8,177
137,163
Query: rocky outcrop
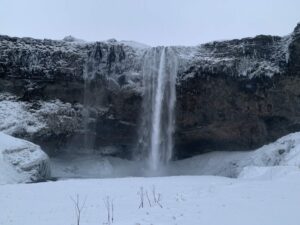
x,y
231,95
22,161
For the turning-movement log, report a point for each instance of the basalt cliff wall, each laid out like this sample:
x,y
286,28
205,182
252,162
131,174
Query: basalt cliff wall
x,y
68,94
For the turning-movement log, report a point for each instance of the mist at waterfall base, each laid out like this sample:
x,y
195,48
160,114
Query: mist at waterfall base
x,y
97,166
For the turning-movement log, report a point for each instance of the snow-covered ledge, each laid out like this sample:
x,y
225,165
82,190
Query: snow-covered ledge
x,y
21,161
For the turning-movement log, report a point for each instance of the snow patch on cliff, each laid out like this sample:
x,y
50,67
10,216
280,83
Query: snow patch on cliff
x,y
20,118
16,117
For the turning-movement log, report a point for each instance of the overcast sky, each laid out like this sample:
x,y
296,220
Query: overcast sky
x,y
154,22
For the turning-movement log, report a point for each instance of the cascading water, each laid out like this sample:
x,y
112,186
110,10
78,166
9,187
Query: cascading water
x,y
159,80
90,69
88,143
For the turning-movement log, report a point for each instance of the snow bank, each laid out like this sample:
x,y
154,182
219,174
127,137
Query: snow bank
x,y
283,153
21,161
267,173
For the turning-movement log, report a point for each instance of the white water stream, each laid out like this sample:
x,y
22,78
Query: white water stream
x,y
159,73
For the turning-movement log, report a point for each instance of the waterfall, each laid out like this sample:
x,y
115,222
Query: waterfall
x,y
87,141
90,69
159,80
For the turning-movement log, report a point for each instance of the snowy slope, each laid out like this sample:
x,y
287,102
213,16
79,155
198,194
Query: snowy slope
x,y
21,161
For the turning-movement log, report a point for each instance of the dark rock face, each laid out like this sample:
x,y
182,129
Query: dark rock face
x,y
45,70
224,103
235,114
294,52
231,95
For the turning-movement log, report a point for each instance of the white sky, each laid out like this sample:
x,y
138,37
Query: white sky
x,y
153,22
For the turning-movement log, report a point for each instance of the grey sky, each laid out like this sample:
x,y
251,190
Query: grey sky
x,y
154,22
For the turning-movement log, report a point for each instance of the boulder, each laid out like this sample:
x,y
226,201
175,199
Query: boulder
x,y
22,161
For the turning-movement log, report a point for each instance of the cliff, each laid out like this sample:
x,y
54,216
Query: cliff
x,y
231,95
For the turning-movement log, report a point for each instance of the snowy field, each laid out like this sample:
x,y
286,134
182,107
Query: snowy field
x,y
260,187
185,200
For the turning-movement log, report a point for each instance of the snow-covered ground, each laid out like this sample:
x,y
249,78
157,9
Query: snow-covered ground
x,y
186,200
265,190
